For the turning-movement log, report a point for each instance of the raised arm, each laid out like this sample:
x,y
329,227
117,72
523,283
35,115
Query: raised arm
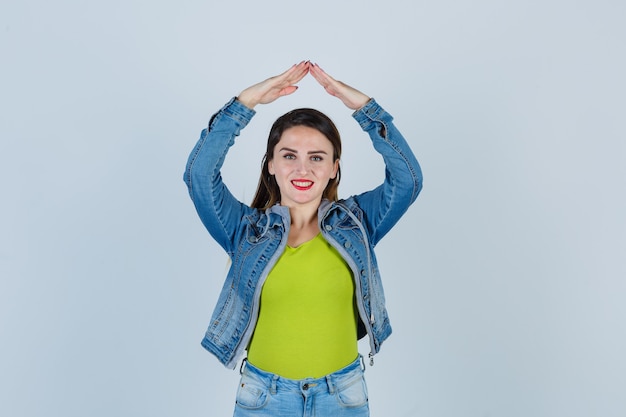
x,y
218,209
384,205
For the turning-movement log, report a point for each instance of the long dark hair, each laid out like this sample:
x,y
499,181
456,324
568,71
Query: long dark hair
x,y
268,193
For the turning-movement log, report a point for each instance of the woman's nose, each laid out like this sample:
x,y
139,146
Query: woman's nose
x,y
303,167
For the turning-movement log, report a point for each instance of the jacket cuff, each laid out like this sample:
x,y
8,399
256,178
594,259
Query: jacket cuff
x,y
371,112
237,111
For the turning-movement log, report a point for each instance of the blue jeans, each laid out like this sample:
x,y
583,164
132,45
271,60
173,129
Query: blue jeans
x,y
340,394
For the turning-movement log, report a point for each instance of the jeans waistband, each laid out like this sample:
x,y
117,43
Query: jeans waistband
x,y
328,383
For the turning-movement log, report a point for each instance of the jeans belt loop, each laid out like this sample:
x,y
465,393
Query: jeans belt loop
x,y
243,365
362,362
331,384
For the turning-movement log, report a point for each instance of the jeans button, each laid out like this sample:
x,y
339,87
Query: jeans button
x,y
305,387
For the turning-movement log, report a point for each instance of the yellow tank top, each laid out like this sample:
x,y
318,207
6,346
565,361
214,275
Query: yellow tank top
x,y
307,325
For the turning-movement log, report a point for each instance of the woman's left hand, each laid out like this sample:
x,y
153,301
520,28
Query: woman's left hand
x,y
351,97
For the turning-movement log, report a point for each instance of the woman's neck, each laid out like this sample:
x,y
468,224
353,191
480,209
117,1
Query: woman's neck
x,y
303,225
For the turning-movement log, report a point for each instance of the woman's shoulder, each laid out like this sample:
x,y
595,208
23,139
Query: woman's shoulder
x,y
343,208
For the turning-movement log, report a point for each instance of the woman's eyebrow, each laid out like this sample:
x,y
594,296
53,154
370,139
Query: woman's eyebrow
x,y
285,149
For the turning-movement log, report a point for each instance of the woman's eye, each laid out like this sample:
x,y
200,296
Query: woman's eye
x,y
289,156
316,158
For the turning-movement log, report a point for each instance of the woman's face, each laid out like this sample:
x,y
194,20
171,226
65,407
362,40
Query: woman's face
x,y
302,164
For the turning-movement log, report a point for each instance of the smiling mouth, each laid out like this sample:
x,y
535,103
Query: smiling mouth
x,y
302,184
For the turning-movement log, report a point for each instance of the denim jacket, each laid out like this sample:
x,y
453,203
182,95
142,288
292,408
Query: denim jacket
x,y
254,239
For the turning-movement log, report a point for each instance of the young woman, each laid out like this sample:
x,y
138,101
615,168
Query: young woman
x,y
303,285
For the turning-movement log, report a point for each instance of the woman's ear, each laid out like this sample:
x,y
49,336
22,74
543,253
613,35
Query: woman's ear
x,y
335,169
270,167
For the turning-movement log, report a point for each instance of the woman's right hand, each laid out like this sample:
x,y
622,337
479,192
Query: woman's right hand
x,y
280,85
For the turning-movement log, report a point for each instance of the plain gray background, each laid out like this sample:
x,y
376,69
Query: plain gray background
x,y
505,281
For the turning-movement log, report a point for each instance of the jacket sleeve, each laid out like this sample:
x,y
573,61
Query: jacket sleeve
x,y
219,210
384,205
